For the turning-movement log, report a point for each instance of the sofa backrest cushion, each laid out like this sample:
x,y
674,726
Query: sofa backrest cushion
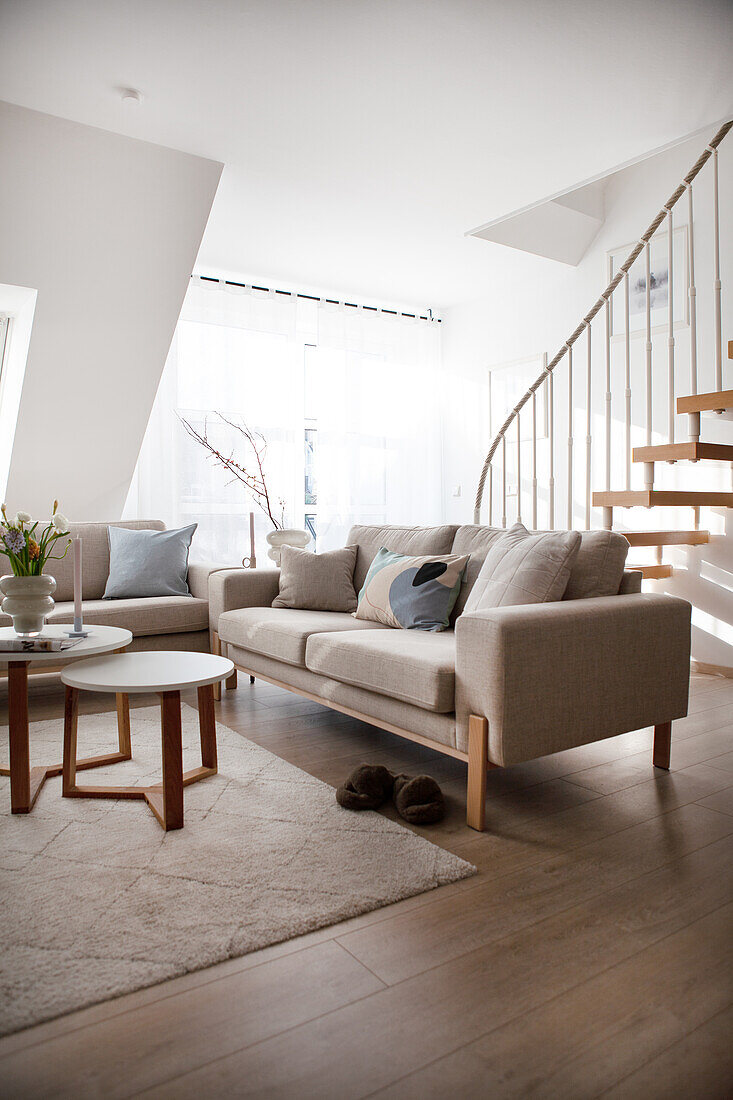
x,y
599,566
474,540
95,558
598,569
412,541
630,583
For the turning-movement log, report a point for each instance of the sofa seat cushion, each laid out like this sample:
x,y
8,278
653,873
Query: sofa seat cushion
x,y
282,632
410,665
144,616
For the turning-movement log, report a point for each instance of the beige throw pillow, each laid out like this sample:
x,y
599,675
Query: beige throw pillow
x,y
317,582
522,568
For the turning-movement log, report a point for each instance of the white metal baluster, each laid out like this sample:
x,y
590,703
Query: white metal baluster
x,y
717,284
519,470
627,389
551,417
588,435
570,437
692,292
648,347
503,478
534,461
670,335
608,393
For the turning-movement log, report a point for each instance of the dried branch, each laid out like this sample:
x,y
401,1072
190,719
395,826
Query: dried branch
x,y
254,482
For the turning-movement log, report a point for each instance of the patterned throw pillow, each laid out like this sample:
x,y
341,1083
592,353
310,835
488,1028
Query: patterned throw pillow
x,y
409,592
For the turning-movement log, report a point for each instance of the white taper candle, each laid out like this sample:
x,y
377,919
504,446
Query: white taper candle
x,y
76,550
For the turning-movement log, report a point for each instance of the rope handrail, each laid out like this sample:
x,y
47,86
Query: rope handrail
x,y
598,305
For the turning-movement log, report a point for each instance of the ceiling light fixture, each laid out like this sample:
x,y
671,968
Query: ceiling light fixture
x,y
131,97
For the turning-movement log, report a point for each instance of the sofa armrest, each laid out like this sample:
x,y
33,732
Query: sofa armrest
x,y
232,588
198,578
555,675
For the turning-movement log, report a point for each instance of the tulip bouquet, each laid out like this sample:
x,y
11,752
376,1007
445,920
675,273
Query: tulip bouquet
x,y
28,548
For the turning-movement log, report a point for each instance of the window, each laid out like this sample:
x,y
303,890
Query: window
x,y
348,401
4,340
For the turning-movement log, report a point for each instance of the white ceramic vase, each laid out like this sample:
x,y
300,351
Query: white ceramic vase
x,y
290,536
28,601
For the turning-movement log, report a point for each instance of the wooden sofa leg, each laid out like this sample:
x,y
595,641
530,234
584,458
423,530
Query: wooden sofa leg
x,y
251,679
216,649
231,682
662,745
478,765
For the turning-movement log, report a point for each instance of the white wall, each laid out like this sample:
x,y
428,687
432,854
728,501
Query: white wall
x,y
106,229
534,305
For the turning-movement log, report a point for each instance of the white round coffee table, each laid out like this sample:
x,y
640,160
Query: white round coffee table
x,y
26,782
166,673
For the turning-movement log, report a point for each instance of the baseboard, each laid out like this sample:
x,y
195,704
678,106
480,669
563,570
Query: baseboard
x,y
711,670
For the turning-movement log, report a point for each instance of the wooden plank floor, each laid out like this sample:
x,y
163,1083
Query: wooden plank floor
x,y
591,956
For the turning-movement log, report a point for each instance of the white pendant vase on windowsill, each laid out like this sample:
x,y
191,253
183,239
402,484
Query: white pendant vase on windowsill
x,y
288,536
28,601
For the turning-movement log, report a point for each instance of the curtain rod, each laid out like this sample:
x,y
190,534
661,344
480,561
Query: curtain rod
x,y
316,298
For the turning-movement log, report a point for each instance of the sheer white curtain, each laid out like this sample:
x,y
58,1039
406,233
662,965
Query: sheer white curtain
x,y
376,389
234,352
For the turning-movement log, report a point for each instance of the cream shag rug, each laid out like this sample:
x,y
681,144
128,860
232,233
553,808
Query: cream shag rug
x,y
96,900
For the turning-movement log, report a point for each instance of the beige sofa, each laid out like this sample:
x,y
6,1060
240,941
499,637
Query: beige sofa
x,y
163,622
505,685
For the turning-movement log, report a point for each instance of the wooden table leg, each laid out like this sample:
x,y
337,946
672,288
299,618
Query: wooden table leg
x,y
123,725
207,726
71,721
216,648
172,800
123,722
20,765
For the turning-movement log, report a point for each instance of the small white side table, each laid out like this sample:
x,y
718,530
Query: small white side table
x,y
166,673
26,782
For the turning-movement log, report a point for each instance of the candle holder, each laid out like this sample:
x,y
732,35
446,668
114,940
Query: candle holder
x,y
77,633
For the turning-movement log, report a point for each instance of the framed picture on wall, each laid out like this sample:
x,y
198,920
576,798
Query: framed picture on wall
x,y
658,282
508,382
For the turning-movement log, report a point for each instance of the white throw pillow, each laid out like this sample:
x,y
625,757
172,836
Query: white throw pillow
x,y
524,568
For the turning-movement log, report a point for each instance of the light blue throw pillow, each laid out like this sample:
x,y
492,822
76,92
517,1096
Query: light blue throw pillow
x,y
148,563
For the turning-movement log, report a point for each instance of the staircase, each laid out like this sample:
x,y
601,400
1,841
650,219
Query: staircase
x,y
659,376
718,401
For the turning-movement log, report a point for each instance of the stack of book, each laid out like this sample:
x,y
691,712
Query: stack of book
x,y
37,645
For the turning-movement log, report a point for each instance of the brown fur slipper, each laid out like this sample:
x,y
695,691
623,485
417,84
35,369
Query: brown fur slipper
x,y
419,800
367,787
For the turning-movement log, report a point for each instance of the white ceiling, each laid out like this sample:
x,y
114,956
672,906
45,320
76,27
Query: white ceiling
x,y
362,139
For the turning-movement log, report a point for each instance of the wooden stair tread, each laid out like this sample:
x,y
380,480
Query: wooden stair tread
x,y
666,538
651,572
705,402
651,498
684,452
